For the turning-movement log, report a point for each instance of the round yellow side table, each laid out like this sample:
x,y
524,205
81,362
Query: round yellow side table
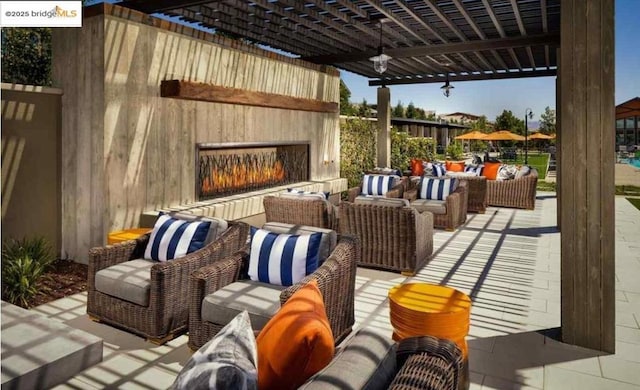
x,y
419,309
126,235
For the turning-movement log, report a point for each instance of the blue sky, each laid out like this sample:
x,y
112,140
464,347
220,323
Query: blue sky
x,y
491,97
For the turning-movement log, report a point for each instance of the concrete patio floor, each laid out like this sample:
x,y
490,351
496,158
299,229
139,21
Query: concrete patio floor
x,y
507,260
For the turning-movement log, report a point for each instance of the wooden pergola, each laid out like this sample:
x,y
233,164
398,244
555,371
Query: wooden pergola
x,y
431,41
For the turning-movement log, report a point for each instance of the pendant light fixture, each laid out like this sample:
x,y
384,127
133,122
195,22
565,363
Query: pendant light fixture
x,y
381,60
447,87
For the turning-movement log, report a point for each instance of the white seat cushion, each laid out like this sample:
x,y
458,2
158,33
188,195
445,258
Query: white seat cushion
x,y
129,281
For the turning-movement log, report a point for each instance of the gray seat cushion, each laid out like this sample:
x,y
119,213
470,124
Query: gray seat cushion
x,y
368,361
327,242
378,201
261,300
129,281
431,205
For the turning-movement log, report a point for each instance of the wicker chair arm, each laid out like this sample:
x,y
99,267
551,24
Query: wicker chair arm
x,y
428,363
223,272
106,256
411,195
395,192
353,193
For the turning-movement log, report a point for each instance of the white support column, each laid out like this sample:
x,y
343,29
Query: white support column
x,y
384,127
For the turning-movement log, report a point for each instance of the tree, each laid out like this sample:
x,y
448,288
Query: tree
x,y
431,116
346,108
26,56
364,110
411,111
421,114
481,124
398,111
548,121
507,121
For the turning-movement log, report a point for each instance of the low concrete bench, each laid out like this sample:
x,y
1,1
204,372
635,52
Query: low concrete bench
x,y
242,205
39,353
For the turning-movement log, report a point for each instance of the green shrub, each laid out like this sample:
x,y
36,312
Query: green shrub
x,y
454,151
24,263
404,148
358,138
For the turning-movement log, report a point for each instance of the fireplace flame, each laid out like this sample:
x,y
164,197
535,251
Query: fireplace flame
x,y
242,176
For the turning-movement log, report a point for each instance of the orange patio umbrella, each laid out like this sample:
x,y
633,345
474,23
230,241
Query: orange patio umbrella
x,y
503,135
541,136
474,135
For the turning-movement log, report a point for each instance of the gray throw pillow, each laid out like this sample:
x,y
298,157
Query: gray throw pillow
x,y
228,361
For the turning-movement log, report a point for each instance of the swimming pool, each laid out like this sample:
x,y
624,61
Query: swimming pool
x,y
634,162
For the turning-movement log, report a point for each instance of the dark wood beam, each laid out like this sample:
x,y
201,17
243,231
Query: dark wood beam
x,y
450,48
498,27
464,77
188,90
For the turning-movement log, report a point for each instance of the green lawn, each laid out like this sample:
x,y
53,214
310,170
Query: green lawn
x,y
635,202
536,160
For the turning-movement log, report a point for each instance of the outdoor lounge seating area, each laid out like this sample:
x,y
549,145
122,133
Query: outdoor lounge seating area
x,y
514,319
202,162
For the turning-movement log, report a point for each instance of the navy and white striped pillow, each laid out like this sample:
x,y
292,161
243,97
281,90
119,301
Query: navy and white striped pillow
x,y
439,170
296,191
378,184
436,189
476,170
173,238
282,259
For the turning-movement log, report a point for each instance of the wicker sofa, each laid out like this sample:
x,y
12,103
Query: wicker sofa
x,y
335,277
394,236
370,360
166,313
518,193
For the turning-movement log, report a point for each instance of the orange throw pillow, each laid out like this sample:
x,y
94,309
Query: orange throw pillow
x,y
296,343
453,166
490,170
417,169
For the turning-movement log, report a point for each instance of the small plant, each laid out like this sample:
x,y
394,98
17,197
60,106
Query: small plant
x,y
454,151
24,262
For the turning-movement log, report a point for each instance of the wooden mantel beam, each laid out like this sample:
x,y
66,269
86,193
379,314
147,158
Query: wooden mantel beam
x,y
188,90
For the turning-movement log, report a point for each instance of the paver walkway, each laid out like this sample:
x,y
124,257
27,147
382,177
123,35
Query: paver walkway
x,y
507,260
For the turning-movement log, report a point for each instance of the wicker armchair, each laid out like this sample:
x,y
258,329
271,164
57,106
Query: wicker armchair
x,y
300,211
393,237
395,192
454,212
335,277
422,362
166,314
519,193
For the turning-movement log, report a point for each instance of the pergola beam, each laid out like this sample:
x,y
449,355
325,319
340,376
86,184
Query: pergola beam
x,y
449,48
464,77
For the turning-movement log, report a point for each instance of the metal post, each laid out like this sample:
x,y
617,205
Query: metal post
x,y
528,113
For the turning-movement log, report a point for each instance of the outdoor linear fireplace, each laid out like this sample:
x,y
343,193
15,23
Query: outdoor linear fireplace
x,y
231,168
